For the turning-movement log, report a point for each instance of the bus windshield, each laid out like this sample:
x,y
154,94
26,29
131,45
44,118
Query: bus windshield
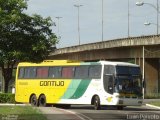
x,y
127,70
128,80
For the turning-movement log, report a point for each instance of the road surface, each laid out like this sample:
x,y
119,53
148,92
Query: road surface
x,y
107,113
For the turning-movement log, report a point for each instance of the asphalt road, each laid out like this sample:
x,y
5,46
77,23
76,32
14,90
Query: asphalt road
x,y
107,113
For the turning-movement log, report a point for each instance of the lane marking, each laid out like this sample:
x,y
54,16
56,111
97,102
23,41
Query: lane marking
x,y
79,115
153,106
88,118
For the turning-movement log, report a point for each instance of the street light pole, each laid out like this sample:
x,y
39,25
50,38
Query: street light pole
x,y
58,26
78,6
102,20
157,17
155,7
128,19
149,23
143,77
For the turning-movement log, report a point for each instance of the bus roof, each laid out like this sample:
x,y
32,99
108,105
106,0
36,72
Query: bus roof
x,y
118,63
73,62
49,62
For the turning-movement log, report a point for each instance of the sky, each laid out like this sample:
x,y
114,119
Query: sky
x,y
115,17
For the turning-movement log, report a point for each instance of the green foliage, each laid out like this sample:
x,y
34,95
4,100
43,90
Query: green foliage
x,y
156,103
7,98
22,37
21,113
152,96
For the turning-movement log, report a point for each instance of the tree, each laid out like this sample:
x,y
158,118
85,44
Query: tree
x,y
22,37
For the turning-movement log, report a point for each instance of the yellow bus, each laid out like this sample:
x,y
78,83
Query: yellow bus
x,y
66,82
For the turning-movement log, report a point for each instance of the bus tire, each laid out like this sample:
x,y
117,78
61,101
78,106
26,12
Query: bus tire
x,y
42,101
33,100
96,103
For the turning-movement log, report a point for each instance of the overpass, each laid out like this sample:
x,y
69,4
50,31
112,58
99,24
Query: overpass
x,y
124,49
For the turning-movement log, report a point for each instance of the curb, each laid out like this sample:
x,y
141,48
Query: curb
x,y
8,104
149,105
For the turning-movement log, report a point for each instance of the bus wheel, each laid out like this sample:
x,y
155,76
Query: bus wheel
x,y
33,100
42,101
97,105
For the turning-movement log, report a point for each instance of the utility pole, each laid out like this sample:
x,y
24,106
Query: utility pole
x,y
79,40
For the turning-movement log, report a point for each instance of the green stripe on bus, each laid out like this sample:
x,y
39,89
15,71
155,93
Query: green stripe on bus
x,y
71,89
81,89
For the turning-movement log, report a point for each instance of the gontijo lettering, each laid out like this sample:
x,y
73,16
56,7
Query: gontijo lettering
x,y
51,83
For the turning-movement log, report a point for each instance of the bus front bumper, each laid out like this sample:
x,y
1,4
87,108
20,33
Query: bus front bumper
x,y
123,101
129,102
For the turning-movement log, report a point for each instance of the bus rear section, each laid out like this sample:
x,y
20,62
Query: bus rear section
x,y
60,84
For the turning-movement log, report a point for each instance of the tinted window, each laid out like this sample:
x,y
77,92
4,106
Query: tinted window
x,y
21,73
122,69
81,72
42,72
95,71
108,69
108,83
135,70
67,72
128,70
30,72
54,72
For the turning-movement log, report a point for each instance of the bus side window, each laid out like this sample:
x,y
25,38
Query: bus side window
x,y
42,72
67,72
95,71
21,72
81,72
109,69
55,72
30,72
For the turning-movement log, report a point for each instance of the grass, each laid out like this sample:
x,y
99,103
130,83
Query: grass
x,y
152,96
20,113
156,103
